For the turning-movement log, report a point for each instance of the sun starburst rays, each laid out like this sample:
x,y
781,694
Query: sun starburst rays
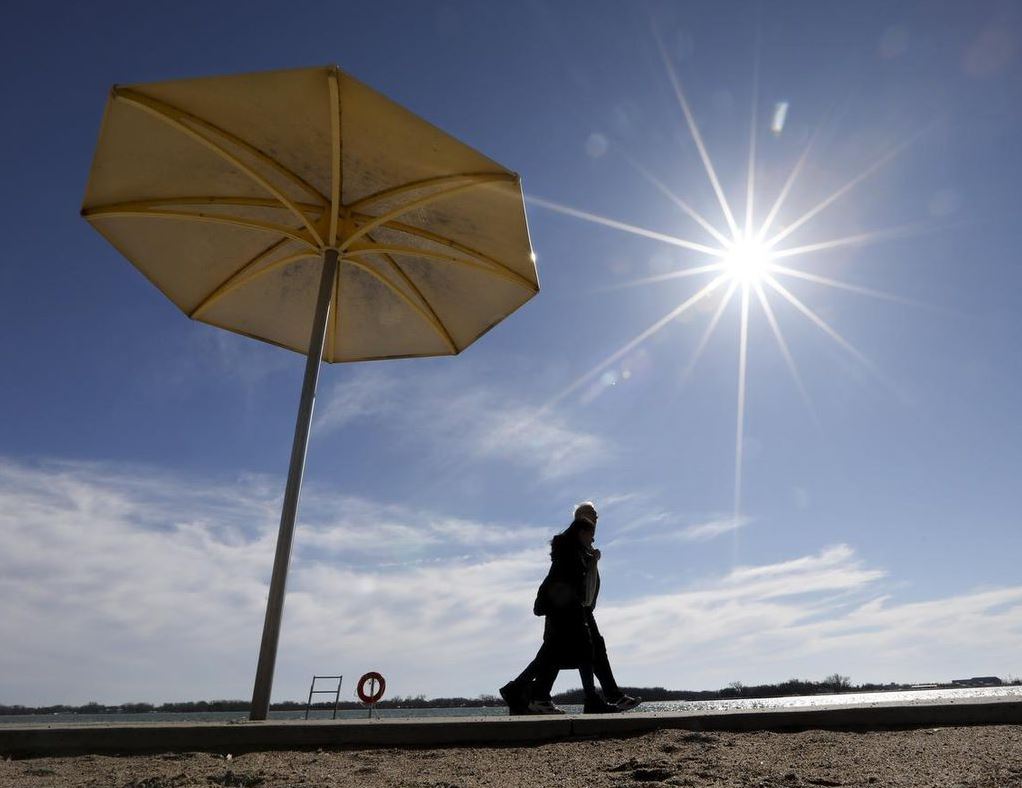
x,y
614,224
674,198
747,260
782,345
710,328
743,357
697,138
682,273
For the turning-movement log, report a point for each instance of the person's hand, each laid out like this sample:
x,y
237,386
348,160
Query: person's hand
x,y
596,553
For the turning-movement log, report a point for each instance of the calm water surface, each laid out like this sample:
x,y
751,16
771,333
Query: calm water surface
x,y
846,699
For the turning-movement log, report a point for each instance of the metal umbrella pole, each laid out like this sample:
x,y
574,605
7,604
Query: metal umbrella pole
x,y
285,536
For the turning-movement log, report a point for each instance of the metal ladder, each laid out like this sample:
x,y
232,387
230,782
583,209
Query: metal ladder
x,y
336,692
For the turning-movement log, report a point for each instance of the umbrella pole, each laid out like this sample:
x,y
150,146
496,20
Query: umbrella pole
x,y
275,601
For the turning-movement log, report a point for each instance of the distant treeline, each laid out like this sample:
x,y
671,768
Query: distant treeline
x,y
735,690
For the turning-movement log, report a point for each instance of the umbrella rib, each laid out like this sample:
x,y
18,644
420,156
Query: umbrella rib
x,y
411,251
239,279
434,323
258,258
140,211
427,182
211,200
376,221
173,116
335,155
408,281
419,232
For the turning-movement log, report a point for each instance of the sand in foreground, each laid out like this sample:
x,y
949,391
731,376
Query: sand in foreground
x,y
953,757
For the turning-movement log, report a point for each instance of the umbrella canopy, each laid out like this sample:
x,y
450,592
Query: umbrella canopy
x,y
226,191
304,209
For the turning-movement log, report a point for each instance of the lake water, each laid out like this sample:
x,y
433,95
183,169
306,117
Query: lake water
x,y
845,699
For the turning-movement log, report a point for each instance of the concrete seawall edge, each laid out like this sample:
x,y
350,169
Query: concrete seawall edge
x,y
66,740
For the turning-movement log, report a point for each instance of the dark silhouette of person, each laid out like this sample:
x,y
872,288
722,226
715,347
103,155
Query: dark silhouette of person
x,y
571,638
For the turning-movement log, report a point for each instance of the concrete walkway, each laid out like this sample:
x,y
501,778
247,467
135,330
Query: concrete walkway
x,y
238,737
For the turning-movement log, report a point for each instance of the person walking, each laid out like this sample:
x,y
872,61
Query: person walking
x,y
571,638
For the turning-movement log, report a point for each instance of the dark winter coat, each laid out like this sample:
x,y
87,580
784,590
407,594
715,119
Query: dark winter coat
x,y
560,598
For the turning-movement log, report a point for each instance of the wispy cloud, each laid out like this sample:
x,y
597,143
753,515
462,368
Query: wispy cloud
x,y
642,521
464,420
112,576
364,395
211,353
127,573
702,532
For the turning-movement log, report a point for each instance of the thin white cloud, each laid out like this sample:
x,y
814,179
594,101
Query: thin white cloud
x,y
642,519
547,445
458,420
614,500
638,521
221,355
702,532
360,396
124,584
833,556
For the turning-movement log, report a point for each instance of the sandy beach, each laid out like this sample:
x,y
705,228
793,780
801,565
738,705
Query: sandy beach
x,y
968,756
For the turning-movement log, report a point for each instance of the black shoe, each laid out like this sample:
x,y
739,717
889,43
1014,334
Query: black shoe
x,y
515,699
599,706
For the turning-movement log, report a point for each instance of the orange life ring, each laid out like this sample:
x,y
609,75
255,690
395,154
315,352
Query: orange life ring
x,y
371,676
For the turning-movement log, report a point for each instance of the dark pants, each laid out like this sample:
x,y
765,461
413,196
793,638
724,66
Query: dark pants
x,y
543,670
539,675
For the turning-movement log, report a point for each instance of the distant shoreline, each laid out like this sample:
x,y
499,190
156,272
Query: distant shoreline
x,y
736,691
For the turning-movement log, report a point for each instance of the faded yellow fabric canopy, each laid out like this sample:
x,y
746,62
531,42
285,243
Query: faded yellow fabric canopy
x,y
227,191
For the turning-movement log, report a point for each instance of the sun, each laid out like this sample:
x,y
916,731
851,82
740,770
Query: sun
x,y
747,262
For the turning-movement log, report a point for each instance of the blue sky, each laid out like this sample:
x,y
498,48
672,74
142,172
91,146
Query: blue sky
x,y
143,456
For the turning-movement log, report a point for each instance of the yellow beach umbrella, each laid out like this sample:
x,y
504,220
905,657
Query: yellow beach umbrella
x,y
305,209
